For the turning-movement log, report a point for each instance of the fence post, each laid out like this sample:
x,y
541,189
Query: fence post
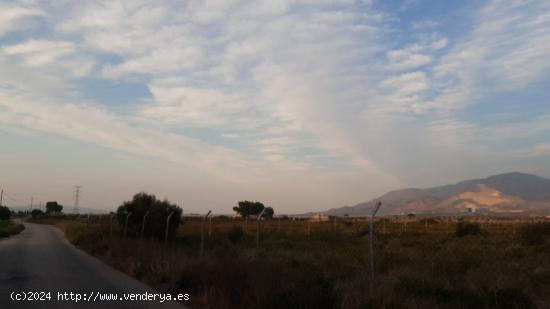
x,y
308,228
202,234
166,233
371,241
111,215
258,228
279,225
143,224
209,227
126,225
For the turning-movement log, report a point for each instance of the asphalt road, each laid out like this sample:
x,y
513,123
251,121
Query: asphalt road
x,y
40,259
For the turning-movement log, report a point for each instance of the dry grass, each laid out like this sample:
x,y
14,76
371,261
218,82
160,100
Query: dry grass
x,y
420,263
9,228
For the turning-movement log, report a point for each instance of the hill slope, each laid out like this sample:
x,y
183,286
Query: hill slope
x,y
504,193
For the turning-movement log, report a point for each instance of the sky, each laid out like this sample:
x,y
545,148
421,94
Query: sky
x,y
303,105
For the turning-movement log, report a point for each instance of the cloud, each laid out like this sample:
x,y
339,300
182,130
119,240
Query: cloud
x,y
51,54
280,88
507,50
12,16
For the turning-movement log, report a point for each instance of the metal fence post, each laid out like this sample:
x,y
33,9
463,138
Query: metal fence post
x,y
258,228
126,225
111,215
426,224
201,253
371,241
166,233
209,226
143,224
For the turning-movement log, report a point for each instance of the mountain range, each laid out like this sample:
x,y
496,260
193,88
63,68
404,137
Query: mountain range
x,y
510,193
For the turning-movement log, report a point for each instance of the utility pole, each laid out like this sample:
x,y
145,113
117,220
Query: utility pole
x,y
76,210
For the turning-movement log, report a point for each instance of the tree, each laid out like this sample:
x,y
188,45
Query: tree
x,y
5,213
249,208
36,213
268,213
155,223
53,207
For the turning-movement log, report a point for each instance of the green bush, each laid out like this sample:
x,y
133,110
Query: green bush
x,y
36,213
8,228
464,228
5,213
155,224
535,234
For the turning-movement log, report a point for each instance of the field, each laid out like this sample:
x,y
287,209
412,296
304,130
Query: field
x,y
8,228
419,262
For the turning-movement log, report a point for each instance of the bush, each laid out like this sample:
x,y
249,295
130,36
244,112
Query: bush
x,y
535,234
8,228
36,213
464,228
235,235
155,223
5,213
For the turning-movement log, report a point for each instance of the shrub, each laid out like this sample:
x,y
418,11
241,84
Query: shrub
x,y
464,228
5,213
535,234
36,213
155,224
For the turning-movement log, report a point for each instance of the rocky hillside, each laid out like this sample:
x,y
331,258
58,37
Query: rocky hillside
x,y
517,193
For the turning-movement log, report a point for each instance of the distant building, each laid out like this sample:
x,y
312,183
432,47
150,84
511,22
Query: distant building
x,y
319,218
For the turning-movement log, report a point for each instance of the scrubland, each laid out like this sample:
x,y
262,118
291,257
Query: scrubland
x,y
419,262
8,228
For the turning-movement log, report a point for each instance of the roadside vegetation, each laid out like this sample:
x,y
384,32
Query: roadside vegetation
x,y
419,262
8,227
